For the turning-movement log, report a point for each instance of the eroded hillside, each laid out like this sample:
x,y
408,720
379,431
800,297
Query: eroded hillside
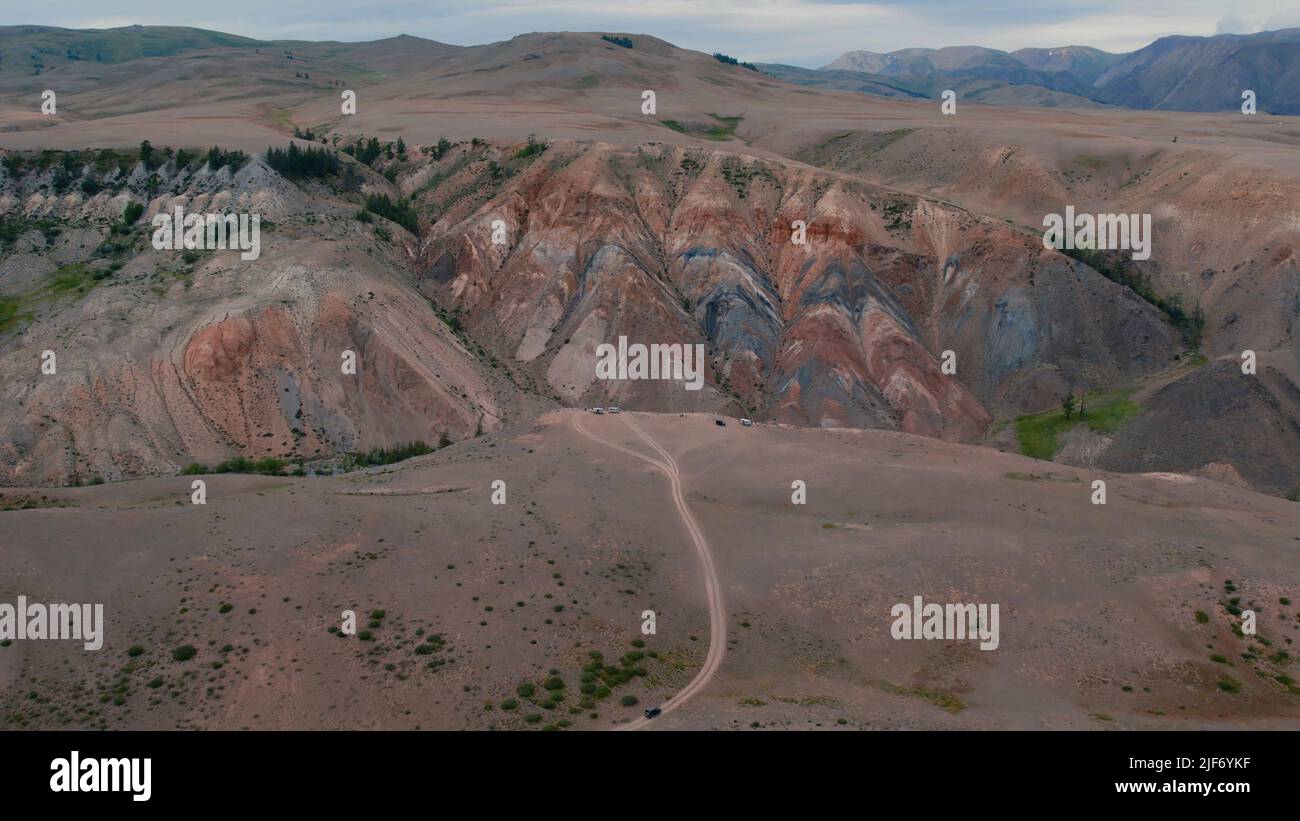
x,y
900,312
164,358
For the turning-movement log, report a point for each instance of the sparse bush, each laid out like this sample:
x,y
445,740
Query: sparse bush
x,y
532,149
184,653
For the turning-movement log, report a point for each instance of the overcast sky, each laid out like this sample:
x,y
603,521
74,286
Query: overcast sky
x,y
802,32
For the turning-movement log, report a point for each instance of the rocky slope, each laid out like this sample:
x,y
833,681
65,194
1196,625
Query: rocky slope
x,y
662,244
1209,73
164,357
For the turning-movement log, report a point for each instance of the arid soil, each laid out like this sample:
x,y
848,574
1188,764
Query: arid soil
x,y
1099,603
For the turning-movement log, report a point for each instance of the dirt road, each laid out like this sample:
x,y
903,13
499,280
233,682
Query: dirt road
x,y
717,618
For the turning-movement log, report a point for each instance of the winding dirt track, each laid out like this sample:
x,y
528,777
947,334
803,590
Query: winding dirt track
x,y
717,620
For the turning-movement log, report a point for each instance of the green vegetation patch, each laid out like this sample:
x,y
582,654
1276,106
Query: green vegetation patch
x,y
399,211
387,456
723,129
300,163
11,312
1039,434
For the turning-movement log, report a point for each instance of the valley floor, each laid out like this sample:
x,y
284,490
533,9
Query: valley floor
x,y
529,613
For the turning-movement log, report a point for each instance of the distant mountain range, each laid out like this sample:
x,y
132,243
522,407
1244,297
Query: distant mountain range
x,y
1173,73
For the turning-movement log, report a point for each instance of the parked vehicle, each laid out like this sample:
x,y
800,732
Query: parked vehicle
x,y
613,409
598,411
652,712
720,423
746,422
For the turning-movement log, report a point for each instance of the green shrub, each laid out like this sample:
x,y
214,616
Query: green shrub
x,y
132,213
240,464
532,148
387,456
184,653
